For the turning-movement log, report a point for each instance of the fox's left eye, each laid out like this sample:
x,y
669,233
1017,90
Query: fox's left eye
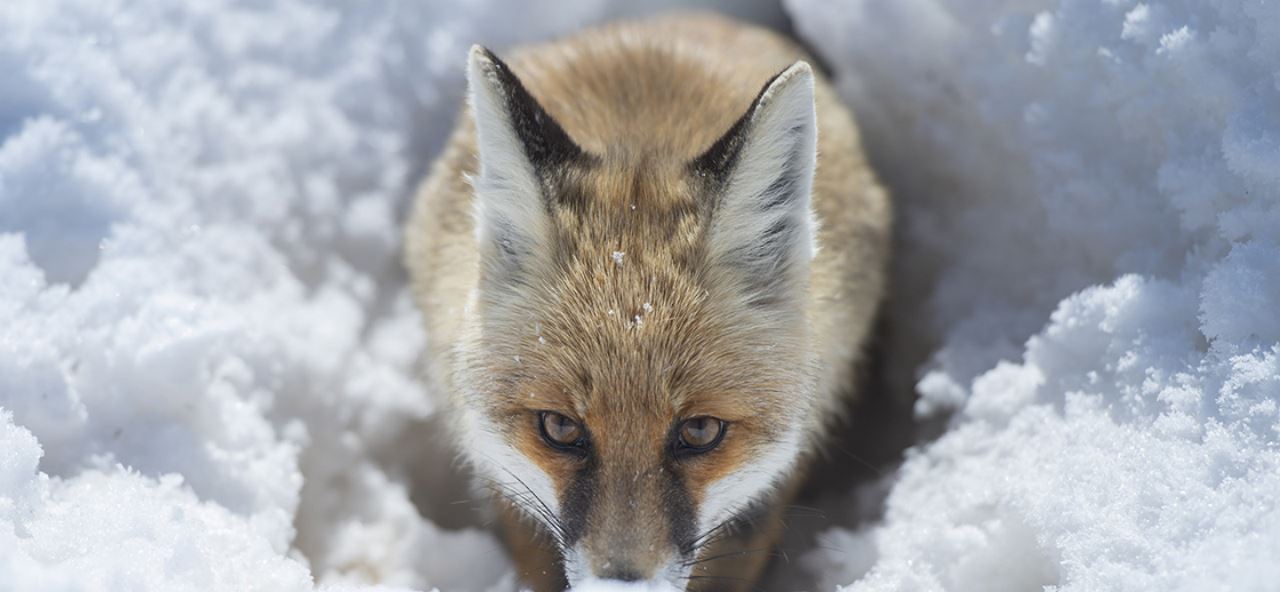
x,y
700,434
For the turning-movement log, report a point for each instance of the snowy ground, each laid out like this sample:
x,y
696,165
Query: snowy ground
x,y
207,354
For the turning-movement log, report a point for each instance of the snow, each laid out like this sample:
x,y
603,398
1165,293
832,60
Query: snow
x,y
208,362
615,586
1089,213
177,543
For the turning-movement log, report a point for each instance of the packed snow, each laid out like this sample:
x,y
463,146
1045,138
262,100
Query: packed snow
x,y
208,362
1087,256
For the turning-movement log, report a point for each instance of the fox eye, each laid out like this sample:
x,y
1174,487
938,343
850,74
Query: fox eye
x,y
700,434
560,431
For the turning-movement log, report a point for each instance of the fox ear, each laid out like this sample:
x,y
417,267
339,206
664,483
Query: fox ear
x,y
761,174
518,145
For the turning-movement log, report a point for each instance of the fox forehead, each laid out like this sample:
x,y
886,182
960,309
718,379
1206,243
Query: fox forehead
x,y
643,209
620,335
628,315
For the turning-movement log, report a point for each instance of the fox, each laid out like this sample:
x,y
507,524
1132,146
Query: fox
x,y
648,261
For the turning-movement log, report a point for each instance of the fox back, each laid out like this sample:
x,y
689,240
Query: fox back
x,y
647,261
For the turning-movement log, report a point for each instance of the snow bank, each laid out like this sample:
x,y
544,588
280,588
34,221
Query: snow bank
x,y
1089,204
207,362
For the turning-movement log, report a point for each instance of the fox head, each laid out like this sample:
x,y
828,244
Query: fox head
x,y
638,367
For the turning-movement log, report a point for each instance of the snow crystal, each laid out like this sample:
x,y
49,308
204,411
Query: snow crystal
x,y
1087,202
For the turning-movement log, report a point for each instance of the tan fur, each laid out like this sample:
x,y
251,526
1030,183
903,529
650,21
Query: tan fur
x,y
630,348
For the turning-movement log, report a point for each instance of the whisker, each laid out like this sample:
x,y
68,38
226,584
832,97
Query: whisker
x,y
729,554
732,578
528,500
525,500
864,462
806,511
559,525
701,540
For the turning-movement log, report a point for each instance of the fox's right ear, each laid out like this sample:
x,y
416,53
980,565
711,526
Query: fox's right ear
x,y
519,145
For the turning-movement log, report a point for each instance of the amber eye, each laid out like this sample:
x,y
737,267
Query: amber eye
x,y
560,431
700,434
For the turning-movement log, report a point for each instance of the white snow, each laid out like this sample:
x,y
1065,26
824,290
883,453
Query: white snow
x,y
117,529
208,356
615,586
1088,195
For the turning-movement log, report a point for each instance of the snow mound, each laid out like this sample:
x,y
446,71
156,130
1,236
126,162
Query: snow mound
x,y
1089,213
207,363
121,530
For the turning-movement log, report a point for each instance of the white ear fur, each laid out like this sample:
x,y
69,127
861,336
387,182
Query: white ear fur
x,y
509,208
763,222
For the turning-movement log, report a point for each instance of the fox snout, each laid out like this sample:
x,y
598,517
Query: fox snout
x,y
637,527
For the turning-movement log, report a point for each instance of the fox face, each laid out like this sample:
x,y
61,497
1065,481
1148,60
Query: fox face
x,y
637,369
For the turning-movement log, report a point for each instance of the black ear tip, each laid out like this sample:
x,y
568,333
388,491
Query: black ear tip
x,y
483,53
482,58
543,138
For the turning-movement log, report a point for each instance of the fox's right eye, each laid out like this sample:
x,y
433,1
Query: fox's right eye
x,y
560,431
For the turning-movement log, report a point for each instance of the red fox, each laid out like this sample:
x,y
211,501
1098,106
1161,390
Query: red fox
x,y
647,261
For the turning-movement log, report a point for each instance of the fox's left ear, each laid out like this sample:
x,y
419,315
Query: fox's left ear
x,y
761,172
519,145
